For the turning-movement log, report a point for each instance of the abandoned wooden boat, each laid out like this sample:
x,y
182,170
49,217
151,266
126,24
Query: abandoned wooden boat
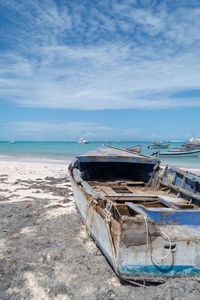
x,y
144,220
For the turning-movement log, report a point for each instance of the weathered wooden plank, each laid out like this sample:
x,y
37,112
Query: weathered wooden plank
x,y
131,189
90,190
115,183
135,183
106,189
127,195
179,189
77,175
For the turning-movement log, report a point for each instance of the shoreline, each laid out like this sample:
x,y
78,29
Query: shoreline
x,y
67,161
34,160
57,152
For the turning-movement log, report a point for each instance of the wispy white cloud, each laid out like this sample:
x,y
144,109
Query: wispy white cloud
x,y
65,131
53,130
103,56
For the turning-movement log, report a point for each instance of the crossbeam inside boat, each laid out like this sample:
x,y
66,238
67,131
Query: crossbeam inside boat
x,y
124,183
120,192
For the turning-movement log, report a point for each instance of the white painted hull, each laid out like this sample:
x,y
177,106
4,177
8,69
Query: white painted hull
x,y
98,227
180,153
135,262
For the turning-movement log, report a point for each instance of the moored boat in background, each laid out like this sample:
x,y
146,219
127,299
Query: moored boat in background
x,y
158,145
82,141
12,142
192,143
178,149
178,153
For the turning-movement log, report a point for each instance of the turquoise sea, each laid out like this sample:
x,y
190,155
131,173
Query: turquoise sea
x,y
66,151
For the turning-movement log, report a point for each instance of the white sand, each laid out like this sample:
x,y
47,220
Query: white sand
x,y
27,171
32,170
45,252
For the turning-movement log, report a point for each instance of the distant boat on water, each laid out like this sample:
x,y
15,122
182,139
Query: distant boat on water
x,y
180,149
158,145
82,141
178,153
192,143
12,142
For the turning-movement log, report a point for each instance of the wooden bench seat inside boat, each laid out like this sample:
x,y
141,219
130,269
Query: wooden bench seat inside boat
x,y
136,192
122,190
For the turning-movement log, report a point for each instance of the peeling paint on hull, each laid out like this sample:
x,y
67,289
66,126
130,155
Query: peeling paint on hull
x,y
134,270
167,245
158,271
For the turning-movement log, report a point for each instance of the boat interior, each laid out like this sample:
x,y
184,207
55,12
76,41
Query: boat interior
x,y
125,183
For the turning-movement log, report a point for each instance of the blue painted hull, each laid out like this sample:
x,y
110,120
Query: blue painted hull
x,y
189,182
159,271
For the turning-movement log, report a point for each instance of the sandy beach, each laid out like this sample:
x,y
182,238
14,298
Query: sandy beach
x,y
45,252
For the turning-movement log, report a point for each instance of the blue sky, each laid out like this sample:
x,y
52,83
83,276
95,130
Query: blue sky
x,y
121,70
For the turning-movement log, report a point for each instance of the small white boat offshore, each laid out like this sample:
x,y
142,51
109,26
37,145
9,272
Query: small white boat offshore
x,y
11,142
82,141
146,221
178,153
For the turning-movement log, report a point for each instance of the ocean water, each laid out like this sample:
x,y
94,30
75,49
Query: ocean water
x,y
66,151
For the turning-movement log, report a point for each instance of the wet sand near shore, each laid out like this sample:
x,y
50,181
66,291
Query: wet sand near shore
x,y
45,252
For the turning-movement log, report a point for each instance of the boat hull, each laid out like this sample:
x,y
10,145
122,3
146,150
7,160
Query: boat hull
x,y
158,147
132,261
97,228
180,153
